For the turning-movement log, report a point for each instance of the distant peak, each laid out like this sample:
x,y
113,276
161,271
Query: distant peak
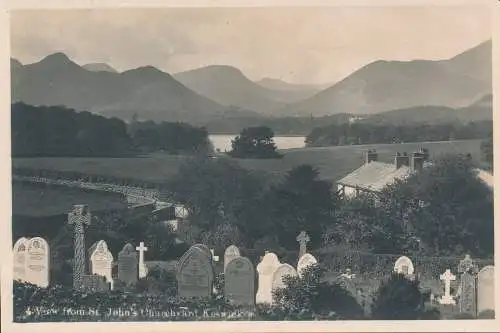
x,y
58,56
99,67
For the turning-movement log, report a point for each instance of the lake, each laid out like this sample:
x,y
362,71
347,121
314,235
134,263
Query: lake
x,y
223,141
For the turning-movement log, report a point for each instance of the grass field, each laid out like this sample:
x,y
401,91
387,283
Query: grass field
x,y
332,162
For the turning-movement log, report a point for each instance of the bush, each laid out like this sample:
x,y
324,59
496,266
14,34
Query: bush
x,y
309,297
400,299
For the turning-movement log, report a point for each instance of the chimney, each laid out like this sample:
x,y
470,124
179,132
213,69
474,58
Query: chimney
x,y
417,161
371,156
400,160
425,152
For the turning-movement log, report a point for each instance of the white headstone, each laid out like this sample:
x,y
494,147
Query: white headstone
x,y
447,277
143,270
305,261
486,289
266,269
102,261
232,252
214,257
37,262
404,266
20,254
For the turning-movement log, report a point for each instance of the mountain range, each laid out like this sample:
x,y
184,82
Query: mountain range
x,y
389,85
217,91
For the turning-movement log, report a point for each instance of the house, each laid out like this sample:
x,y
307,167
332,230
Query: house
x,y
373,175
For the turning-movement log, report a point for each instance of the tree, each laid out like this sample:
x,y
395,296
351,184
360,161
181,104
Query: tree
x,y
302,202
219,191
400,299
254,142
446,207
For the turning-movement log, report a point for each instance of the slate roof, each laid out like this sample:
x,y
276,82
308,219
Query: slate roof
x,y
486,177
374,176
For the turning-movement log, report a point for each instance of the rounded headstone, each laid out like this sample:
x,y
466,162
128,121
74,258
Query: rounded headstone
x,y
404,266
486,289
305,261
231,253
239,281
266,269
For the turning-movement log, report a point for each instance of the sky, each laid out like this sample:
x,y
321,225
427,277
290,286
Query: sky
x,y
313,45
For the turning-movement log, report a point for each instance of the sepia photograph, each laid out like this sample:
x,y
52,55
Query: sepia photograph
x,y
256,164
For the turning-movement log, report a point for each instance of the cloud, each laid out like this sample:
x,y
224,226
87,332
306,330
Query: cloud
x,y
296,44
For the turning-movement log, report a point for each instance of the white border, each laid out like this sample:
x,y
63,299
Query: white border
x,y
334,326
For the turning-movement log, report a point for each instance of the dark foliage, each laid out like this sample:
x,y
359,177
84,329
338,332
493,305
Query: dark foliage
x,y
254,142
358,133
400,299
58,131
310,297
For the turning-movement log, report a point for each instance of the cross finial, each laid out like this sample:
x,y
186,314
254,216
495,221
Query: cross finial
x,y
79,215
141,248
447,277
303,239
214,257
466,265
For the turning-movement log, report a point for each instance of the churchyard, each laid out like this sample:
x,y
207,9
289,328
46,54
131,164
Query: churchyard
x,y
236,284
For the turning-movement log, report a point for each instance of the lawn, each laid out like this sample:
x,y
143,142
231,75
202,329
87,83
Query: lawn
x,y
332,162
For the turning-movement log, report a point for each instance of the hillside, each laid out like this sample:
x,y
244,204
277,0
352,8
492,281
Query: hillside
x,y
229,86
99,67
147,91
389,85
277,84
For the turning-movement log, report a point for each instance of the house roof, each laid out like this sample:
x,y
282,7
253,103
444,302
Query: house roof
x,y
374,176
486,177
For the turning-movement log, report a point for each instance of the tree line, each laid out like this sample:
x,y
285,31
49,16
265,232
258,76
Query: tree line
x,y
355,133
58,131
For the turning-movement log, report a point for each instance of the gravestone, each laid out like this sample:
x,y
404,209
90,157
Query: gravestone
x,y
447,277
79,217
239,282
19,253
467,289
143,270
127,265
282,271
94,283
404,266
303,239
37,262
101,261
486,289
195,274
231,253
266,269
305,261
204,249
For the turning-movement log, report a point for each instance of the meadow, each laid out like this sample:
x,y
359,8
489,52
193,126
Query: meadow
x,y
333,163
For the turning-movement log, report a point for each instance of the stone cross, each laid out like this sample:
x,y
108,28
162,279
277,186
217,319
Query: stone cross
x,y
447,277
303,239
467,265
214,257
79,217
143,271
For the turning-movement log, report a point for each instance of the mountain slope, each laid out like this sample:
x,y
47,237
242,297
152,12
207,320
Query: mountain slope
x,y
277,84
147,91
228,86
99,67
389,85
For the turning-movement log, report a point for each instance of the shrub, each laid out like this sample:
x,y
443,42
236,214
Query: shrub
x,y
400,299
310,297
